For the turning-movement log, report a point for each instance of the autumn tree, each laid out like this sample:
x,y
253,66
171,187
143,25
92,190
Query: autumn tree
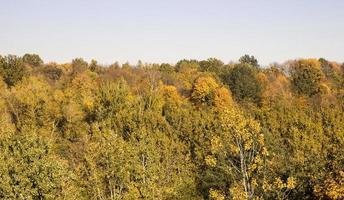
x,y
245,151
207,92
126,66
204,90
87,131
79,65
30,104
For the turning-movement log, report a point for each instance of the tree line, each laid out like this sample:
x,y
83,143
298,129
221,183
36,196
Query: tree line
x,y
190,130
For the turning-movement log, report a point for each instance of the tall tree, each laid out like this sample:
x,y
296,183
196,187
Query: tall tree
x,y
247,59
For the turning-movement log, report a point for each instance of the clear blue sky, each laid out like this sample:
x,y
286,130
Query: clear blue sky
x,y
169,30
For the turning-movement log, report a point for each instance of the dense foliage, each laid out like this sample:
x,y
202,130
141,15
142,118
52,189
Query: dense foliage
x,y
194,130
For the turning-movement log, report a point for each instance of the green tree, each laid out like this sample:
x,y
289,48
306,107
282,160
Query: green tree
x,y
165,67
12,69
32,60
211,65
306,76
53,72
244,83
93,65
187,66
300,141
29,169
251,60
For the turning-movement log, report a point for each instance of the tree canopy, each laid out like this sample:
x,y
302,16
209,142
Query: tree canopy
x,y
190,130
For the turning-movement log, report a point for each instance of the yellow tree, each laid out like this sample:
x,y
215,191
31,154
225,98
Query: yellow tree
x,y
30,103
239,150
6,125
206,91
246,144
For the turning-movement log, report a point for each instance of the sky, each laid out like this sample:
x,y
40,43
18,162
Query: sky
x,y
171,30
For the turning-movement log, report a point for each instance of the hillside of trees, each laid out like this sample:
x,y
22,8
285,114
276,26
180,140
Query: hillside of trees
x,y
191,130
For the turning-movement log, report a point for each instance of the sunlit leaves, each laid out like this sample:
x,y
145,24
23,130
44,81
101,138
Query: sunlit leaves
x,y
85,131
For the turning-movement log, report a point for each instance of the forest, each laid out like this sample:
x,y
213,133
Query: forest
x,y
196,129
